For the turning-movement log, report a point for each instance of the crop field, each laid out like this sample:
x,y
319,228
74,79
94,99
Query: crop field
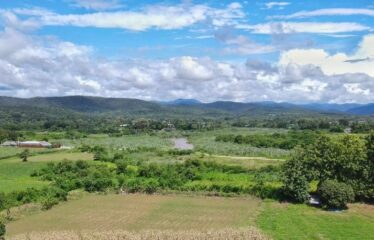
x,y
293,221
15,174
130,141
142,212
207,143
247,162
188,217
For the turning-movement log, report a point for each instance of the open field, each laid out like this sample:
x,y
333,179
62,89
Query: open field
x,y
142,212
247,162
205,141
128,141
15,174
245,234
293,221
7,152
139,216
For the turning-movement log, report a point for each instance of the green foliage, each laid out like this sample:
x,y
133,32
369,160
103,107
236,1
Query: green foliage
x,y
276,140
335,195
80,174
346,159
2,230
295,182
24,155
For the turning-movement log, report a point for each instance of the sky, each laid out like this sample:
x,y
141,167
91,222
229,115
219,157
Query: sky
x,y
299,51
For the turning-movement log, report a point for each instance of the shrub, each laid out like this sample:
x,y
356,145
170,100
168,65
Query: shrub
x,y
48,202
335,195
2,230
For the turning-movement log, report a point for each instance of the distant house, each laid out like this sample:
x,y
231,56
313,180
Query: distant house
x,y
27,144
34,144
348,130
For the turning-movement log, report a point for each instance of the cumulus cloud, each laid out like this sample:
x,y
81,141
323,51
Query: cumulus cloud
x,y
155,16
339,63
330,12
304,27
44,66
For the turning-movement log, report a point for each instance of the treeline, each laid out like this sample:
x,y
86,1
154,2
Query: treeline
x,y
287,140
331,124
343,168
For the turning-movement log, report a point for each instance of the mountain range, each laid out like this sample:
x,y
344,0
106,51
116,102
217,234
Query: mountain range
x,y
179,107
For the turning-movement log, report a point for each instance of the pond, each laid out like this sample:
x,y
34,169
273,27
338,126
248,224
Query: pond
x,y
182,144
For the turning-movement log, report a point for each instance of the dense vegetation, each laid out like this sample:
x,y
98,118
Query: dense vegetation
x,y
287,140
348,160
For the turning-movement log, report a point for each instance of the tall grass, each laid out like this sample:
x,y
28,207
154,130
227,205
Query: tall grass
x,y
234,234
209,145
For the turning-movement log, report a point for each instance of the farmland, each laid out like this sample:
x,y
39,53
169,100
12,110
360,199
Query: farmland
x,y
180,213
142,212
15,175
139,185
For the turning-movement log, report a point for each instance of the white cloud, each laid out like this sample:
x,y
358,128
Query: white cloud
x,y
280,5
304,27
154,16
39,66
339,63
330,12
244,46
99,5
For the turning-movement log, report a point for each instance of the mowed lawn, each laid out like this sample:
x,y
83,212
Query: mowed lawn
x,y
15,174
142,212
292,221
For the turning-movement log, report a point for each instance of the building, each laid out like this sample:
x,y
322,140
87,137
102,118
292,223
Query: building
x,y
34,144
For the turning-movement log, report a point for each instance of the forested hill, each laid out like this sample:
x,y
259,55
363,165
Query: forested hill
x,y
135,107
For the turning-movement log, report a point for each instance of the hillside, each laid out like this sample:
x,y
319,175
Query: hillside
x,y
190,108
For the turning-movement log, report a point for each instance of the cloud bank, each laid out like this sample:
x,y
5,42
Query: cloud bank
x,y
43,66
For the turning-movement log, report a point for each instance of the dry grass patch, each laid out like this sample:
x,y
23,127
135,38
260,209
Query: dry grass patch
x,y
140,213
232,234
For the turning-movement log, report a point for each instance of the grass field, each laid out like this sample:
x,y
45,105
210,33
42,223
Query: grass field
x,y
205,141
289,221
15,174
142,212
247,162
130,141
7,152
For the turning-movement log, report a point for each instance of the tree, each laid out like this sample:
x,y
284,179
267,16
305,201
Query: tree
x,y
335,195
24,155
295,181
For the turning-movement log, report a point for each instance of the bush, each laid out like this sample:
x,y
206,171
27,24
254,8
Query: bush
x,y
48,202
2,230
335,195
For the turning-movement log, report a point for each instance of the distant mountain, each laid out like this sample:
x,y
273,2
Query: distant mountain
x,y
331,107
185,102
362,110
186,108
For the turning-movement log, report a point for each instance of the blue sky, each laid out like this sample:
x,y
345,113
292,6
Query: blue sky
x,y
298,51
